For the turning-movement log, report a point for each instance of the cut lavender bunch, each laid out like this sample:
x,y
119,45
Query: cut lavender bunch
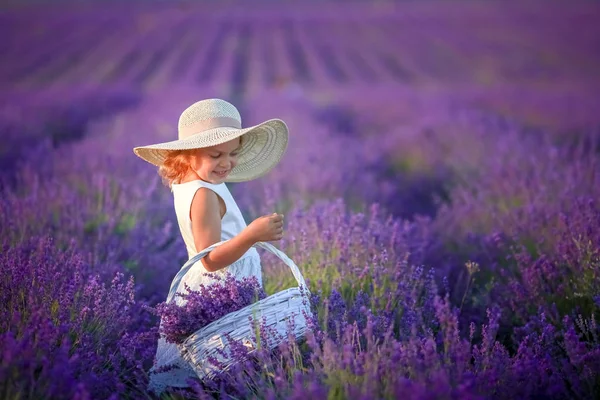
x,y
198,308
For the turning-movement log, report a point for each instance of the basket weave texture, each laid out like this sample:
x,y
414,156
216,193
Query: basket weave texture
x,y
279,312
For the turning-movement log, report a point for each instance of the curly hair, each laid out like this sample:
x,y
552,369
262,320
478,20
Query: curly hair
x,y
177,164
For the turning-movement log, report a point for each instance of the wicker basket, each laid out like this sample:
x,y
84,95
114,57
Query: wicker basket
x,y
276,310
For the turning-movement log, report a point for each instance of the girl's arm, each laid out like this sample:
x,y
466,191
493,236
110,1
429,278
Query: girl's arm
x,y
206,228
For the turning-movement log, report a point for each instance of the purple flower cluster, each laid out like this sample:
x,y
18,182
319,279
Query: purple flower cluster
x,y
63,332
548,362
195,309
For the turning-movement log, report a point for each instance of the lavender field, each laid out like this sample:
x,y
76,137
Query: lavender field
x,y
441,192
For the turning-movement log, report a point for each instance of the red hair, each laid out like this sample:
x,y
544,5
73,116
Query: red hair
x,y
175,166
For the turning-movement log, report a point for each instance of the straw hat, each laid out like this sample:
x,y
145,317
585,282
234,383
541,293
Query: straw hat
x,y
214,121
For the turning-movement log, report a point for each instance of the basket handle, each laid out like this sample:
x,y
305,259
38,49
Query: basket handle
x,y
264,245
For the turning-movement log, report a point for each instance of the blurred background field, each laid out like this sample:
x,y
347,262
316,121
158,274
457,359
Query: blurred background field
x,y
443,148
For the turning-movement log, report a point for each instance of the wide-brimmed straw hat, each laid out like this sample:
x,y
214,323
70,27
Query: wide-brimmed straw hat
x,y
214,121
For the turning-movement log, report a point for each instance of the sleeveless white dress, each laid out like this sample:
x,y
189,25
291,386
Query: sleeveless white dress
x,y
232,224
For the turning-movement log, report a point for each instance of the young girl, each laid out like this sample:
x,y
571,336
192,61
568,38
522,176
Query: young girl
x,y
212,149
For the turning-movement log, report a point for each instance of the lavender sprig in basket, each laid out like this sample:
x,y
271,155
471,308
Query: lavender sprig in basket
x,y
206,304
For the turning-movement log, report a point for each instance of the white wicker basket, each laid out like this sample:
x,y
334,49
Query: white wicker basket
x,y
276,309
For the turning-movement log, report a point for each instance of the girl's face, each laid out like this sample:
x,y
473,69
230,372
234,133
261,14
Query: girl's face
x,y
213,164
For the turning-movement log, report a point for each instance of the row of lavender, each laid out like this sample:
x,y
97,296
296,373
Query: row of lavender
x,y
248,48
475,275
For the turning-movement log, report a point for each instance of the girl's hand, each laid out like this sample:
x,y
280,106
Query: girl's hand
x,y
266,228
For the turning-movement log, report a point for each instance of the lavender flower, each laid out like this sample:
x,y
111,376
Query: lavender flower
x,y
206,304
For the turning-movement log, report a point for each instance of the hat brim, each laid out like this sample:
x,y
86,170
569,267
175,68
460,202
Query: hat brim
x,y
263,147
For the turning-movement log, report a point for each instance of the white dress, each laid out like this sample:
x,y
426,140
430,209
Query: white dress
x,y
232,224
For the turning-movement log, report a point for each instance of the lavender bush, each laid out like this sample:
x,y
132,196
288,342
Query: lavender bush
x,y
65,333
548,362
27,122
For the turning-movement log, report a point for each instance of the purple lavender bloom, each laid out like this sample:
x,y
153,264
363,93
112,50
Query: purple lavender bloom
x,y
206,304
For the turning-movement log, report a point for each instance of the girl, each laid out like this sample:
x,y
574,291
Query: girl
x,y
212,149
